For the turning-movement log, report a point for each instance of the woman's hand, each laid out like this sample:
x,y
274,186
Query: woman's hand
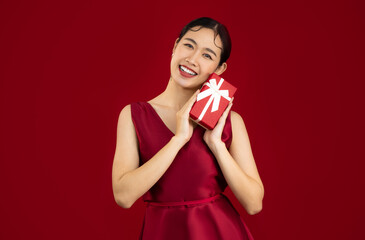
x,y
184,126
214,137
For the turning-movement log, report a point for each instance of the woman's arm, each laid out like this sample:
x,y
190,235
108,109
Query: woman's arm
x,y
129,180
238,165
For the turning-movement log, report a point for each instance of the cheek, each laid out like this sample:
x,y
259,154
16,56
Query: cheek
x,y
180,53
211,67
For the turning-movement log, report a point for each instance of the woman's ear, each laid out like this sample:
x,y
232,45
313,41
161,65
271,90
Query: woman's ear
x,y
220,69
173,50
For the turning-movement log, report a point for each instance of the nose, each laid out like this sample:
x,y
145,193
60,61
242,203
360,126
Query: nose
x,y
192,59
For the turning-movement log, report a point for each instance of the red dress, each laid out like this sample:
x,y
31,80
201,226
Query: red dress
x,y
186,202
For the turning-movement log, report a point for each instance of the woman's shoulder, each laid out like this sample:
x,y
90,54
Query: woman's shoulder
x,y
235,115
134,109
125,114
130,113
128,108
237,121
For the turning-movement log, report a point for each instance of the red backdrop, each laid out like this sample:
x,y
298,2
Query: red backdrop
x,y
68,68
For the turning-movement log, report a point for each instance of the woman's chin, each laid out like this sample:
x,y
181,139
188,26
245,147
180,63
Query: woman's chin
x,y
186,83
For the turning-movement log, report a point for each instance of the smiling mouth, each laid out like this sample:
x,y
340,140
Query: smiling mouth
x,y
188,71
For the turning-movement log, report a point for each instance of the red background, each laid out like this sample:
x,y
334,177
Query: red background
x,y
68,67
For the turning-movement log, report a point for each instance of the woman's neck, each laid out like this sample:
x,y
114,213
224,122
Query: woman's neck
x,y
175,96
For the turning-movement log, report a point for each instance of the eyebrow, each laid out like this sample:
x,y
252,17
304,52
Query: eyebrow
x,y
208,49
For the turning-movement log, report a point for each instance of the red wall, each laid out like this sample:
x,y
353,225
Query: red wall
x,y
68,68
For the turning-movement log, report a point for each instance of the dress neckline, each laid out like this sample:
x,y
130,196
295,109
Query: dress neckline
x,y
162,122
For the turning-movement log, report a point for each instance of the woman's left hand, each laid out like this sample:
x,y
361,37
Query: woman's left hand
x,y
213,137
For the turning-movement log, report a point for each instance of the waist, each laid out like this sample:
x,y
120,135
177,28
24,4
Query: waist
x,y
185,203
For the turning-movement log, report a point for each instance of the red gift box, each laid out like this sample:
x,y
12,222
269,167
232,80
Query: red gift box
x,y
214,97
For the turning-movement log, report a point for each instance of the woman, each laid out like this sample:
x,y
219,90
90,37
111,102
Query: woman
x,y
180,168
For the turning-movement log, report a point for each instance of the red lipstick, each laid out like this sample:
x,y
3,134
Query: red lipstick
x,y
185,74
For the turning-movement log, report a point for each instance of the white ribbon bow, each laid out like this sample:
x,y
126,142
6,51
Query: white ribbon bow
x,y
215,96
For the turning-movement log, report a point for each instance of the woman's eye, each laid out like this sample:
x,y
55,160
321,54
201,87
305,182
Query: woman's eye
x,y
207,55
188,45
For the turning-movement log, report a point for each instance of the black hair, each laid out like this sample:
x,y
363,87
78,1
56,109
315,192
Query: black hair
x,y
218,28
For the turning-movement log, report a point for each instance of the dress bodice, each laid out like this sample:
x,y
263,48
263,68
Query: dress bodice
x,y
194,173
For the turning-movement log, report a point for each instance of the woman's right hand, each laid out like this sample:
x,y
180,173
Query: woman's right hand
x,y
184,126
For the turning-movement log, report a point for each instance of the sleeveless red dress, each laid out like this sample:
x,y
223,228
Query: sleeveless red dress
x,y
187,202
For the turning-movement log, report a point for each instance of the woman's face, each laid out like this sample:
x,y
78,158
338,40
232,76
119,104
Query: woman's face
x,y
195,57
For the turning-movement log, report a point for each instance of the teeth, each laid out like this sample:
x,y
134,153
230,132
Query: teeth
x,y
187,70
